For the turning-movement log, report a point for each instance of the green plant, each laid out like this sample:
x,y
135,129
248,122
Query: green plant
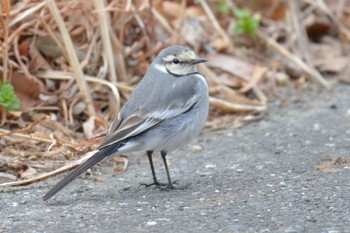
x,y
223,9
8,98
246,23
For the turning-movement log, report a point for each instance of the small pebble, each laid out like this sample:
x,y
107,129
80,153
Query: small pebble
x,y
151,223
196,148
210,166
316,127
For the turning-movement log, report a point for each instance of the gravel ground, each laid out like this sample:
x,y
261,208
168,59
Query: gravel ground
x,y
289,172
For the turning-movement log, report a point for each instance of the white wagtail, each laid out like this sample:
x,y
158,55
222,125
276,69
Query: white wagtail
x,y
166,110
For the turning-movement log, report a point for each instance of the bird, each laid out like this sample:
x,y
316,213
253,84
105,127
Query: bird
x,y
167,109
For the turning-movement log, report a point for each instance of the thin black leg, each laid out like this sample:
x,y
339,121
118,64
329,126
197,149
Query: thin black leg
x,y
163,154
149,155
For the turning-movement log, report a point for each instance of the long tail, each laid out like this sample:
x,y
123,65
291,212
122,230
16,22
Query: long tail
x,y
99,156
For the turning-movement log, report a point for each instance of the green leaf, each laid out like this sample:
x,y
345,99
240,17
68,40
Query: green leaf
x,y
222,7
241,13
246,23
8,98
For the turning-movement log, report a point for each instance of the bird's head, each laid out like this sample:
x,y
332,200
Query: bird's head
x,y
177,60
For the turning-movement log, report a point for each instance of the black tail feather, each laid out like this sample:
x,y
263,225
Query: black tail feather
x,y
99,156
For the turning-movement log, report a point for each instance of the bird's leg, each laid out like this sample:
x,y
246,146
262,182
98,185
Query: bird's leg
x,y
155,181
149,155
163,154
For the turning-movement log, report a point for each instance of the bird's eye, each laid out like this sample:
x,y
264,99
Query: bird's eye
x,y
176,61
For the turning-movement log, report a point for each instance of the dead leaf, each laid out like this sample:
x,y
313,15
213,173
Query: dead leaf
x,y
272,9
27,89
193,31
7,176
121,163
29,172
258,73
235,66
331,165
38,62
219,43
24,47
229,81
172,9
47,46
328,57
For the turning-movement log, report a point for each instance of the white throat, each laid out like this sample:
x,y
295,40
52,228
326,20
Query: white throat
x,y
161,68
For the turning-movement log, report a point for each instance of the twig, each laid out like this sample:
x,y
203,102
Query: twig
x,y
27,13
22,65
5,24
73,102
86,60
58,75
29,127
284,52
258,73
58,142
303,42
53,35
25,136
119,57
234,107
163,22
105,23
73,59
215,23
19,29
44,176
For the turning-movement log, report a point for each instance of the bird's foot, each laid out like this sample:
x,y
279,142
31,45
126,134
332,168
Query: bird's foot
x,y
166,186
173,185
155,183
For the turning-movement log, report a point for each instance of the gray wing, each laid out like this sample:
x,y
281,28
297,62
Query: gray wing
x,y
151,103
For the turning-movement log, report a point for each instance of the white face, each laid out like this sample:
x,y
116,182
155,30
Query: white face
x,y
181,64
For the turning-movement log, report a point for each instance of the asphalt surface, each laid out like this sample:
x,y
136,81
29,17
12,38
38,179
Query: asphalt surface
x,y
289,172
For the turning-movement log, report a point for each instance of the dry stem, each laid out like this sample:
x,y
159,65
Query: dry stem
x,y
73,59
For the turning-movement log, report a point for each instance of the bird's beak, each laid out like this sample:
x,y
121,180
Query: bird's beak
x,y
198,60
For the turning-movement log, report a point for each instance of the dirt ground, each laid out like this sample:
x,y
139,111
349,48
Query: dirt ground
x,y
289,172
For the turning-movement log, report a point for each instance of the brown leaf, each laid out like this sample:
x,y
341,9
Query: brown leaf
x,y
29,172
258,73
329,57
235,66
193,32
38,62
230,81
172,9
273,9
331,165
47,46
24,48
27,89
219,43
